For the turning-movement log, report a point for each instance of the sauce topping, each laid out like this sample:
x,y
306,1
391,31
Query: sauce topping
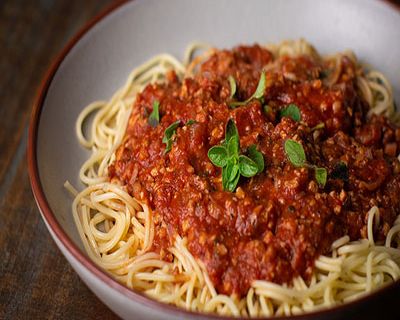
x,y
276,223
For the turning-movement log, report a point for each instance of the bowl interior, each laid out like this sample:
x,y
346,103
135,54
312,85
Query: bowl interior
x,y
100,62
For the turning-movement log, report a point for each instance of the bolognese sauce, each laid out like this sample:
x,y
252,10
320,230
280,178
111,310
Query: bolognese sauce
x,y
272,225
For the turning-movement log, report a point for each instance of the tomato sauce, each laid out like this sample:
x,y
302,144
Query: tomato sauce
x,y
275,224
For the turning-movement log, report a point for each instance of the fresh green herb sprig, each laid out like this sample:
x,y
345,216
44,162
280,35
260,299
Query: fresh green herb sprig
x,y
258,94
233,164
296,155
168,136
154,118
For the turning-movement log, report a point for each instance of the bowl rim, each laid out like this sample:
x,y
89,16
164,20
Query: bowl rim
x,y
84,261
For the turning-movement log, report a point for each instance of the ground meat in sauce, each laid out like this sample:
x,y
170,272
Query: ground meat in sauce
x,y
277,223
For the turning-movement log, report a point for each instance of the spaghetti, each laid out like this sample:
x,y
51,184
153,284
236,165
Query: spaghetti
x,y
118,230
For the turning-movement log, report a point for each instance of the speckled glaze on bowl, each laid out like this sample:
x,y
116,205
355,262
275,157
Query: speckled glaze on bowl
x,y
98,59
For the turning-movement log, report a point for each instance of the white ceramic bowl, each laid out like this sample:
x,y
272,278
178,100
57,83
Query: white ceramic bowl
x,y
98,60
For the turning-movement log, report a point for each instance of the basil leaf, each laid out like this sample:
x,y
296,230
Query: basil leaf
x,y
257,157
233,172
266,108
247,167
230,181
225,178
168,146
231,186
154,118
232,84
233,147
295,152
259,93
229,168
168,133
340,171
321,176
190,122
218,156
291,111
231,131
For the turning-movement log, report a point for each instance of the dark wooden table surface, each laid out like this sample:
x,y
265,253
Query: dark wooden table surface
x,y
36,282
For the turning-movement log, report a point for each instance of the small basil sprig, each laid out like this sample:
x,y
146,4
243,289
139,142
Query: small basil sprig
x,y
154,118
296,155
233,164
291,111
258,94
168,135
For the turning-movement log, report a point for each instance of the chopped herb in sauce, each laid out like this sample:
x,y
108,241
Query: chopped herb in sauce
x,y
321,176
232,84
190,122
340,171
258,94
319,126
291,111
154,118
323,74
168,136
296,155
